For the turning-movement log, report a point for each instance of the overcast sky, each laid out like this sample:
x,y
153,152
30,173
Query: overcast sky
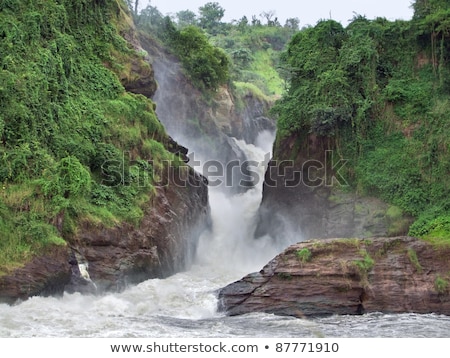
x,y
308,11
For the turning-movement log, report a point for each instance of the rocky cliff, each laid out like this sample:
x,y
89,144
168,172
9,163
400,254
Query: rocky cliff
x,y
348,277
304,192
93,256
164,243
102,258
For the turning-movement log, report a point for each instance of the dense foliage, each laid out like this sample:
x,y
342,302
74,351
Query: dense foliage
x,y
214,53
204,64
380,91
72,140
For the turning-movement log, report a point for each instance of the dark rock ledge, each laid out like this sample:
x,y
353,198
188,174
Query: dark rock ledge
x,y
346,277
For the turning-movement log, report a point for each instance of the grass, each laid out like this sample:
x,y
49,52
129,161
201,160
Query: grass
x,y
439,231
412,255
245,88
366,264
304,255
441,285
263,65
22,237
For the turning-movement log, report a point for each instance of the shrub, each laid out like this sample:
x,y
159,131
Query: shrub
x,y
304,255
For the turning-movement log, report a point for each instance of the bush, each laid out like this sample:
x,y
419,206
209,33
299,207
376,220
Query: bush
x,y
304,255
206,65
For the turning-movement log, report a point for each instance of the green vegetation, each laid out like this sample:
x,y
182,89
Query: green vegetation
x,y
412,255
74,145
379,91
206,65
366,264
214,53
285,276
441,285
363,267
304,255
254,52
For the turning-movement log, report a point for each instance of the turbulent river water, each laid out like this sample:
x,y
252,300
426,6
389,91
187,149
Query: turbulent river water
x,y
184,305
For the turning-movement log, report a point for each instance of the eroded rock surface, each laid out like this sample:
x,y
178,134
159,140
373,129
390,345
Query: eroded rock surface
x,y
304,192
346,277
46,274
164,243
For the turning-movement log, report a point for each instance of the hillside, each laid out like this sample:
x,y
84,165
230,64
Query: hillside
x,y
81,150
367,105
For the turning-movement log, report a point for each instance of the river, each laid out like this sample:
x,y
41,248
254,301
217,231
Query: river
x,y
184,305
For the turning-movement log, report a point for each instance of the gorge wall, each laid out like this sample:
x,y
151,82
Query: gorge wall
x,y
305,193
92,256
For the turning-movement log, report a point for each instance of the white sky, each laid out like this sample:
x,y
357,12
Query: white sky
x,y
308,11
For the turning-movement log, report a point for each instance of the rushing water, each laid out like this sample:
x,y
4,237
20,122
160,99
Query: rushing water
x,y
184,305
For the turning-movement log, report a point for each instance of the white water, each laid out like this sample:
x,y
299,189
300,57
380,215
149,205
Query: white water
x,y
184,305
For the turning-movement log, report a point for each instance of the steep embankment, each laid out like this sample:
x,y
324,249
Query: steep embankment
x,y
362,121
90,178
346,276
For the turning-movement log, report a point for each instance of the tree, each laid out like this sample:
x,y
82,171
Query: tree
x,y
133,5
210,16
292,23
270,17
433,17
423,8
255,21
150,18
206,65
243,24
186,18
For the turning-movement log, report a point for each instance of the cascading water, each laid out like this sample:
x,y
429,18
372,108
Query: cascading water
x,y
185,305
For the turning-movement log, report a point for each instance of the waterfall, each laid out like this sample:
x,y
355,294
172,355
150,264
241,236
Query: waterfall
x,y
230,245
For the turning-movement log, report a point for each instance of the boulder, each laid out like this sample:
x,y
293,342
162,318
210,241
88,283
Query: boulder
x,y
346,277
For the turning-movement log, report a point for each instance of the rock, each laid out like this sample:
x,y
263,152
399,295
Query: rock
x,y
140,79
110,258
45,274
304,192
346,277
137,76
164,243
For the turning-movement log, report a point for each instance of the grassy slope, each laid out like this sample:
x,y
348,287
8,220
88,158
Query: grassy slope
x,y
72,140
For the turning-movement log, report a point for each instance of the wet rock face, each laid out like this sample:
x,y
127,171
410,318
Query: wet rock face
x,y
46,274
346,277
108,259
164,243
141,79
304,192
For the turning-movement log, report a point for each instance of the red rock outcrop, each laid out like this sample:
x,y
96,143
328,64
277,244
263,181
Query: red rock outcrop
x,y
46,274
346,277
163,244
